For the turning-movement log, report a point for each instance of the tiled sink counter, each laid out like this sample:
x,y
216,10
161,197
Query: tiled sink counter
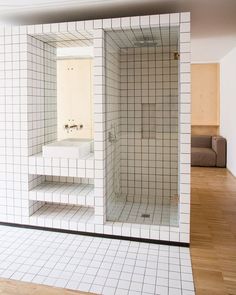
x,y
83,168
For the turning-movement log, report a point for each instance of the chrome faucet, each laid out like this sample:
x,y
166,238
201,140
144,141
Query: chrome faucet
x,y
69,128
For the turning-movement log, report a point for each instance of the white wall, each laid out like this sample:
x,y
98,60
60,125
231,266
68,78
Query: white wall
x,y
215,48
74,97
112,66
228,106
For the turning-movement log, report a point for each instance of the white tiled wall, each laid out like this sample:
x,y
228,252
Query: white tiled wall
x,y
149,128
41,94
112,92
185,126
25,126
99,127
14,205
41,103
3,126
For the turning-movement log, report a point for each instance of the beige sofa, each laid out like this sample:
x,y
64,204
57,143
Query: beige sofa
x,y
208,151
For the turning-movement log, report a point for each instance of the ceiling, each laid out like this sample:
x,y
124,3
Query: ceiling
x,y
166,37
213,21
67,39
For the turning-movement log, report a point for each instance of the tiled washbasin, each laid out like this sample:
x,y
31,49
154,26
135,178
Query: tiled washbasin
x,y
68,148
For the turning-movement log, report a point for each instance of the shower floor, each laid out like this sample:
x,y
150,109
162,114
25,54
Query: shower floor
x,y
142,213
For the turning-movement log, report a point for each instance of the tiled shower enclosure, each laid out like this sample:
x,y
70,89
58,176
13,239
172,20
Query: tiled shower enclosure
x,y
136,180
145,113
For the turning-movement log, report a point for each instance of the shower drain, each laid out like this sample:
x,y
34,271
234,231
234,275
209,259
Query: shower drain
x,y
145,215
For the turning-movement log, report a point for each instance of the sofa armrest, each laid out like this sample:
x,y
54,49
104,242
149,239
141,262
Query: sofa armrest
x,y
219,146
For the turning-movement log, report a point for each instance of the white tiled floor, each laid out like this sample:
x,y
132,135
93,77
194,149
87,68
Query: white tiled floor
x,y
130,212
102,266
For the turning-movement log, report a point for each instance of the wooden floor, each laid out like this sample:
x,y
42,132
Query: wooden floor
x,y
213,231
213,238
12,287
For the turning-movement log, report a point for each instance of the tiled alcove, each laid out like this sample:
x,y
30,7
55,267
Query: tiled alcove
x,y
27,98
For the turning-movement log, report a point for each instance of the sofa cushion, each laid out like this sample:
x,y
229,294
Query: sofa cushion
x,y
201,141
203,157
219,147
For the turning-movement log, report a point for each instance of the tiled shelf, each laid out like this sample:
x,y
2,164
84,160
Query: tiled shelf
x,y
83,168
64,217
65,193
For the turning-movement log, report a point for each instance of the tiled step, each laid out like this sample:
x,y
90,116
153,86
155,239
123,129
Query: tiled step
x,y
65,193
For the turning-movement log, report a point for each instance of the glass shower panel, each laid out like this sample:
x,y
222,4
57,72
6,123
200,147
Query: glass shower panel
x,y
142,151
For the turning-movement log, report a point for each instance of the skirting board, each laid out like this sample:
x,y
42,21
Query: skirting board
x,y
141,240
